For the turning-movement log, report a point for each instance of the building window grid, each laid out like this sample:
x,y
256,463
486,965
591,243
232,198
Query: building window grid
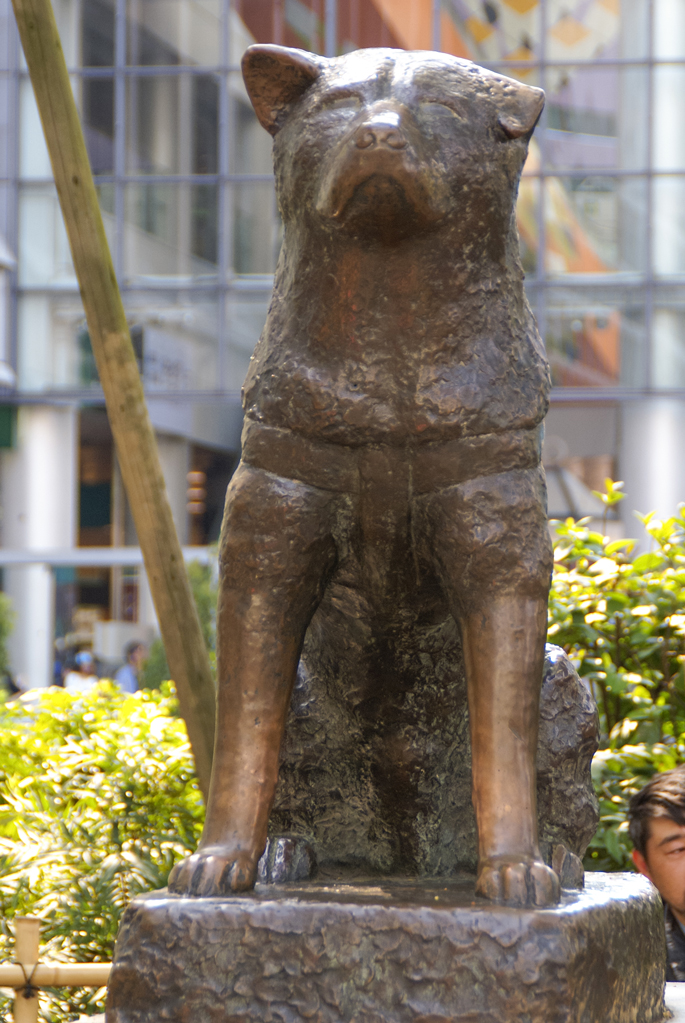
x,y
226,282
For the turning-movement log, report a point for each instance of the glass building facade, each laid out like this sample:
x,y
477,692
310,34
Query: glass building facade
x,y
184,175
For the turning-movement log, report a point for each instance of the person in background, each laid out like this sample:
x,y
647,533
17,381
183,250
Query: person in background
x,y
83,677
657,830
127,676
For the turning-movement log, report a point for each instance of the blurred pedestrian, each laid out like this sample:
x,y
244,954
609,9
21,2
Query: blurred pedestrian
x,y
83,677
126,678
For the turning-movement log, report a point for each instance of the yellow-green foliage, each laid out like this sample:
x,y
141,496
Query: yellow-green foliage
x,y
621,619
98,799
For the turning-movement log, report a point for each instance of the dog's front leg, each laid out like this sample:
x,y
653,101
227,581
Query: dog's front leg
x,y
489,543
276,553
503,652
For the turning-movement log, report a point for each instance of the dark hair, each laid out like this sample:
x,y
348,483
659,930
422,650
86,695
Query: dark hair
x,y
662,796
130,648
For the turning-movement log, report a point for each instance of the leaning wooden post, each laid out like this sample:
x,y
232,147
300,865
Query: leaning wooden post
x,y
26,952
121,383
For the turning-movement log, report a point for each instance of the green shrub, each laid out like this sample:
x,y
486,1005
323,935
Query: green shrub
x,y
98,799
621,619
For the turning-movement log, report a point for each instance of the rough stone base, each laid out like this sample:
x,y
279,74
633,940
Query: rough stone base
x,y
391,951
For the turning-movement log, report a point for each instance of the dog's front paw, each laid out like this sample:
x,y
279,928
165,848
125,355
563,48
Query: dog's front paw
x,y
212,871
518,882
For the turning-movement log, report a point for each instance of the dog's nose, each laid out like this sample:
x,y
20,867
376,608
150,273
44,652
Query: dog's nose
x,y
382,130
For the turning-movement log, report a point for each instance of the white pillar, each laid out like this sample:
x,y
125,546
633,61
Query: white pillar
x,y
174,456
39,511
652,460
146,609
668,145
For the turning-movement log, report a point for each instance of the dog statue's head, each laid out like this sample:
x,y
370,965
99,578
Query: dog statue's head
x,y
387,143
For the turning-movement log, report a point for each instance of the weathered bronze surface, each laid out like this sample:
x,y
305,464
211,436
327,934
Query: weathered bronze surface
x,y
389,510
395,951
325,753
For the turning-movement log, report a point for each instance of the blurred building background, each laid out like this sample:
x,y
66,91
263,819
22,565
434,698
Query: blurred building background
x,y
184,177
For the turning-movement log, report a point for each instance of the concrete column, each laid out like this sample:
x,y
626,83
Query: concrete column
x,y
174,455
146,609
651,460
39,511
668,239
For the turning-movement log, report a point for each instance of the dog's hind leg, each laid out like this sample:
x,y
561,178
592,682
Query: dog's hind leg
x,y
277,552
492,553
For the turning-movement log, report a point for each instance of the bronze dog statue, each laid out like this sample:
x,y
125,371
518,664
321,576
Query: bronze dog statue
x,y
390,502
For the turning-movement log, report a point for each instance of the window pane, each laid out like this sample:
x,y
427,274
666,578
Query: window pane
x,y
494,31
49,352
256,228
581,117
34,161
578,30
205,122
170,230
668,232
44,255
360,23
7,32
245,317
6,134
596,118
669,114
595,337
668,345
528,218
157,133
176,336
595,224
97,101
250,143
5,215
173,125
97,33
669,28
634,31
174,32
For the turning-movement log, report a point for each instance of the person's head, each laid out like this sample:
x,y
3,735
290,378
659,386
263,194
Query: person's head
x,y
135,652
84,662
657,830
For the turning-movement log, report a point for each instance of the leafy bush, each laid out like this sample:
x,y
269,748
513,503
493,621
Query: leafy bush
x,y
621,619
98,799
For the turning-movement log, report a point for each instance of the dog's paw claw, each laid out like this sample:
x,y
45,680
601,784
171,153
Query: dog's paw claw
x,y
212,872
518,882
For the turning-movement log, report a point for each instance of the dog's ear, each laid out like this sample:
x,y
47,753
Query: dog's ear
x,y
275,76
520,109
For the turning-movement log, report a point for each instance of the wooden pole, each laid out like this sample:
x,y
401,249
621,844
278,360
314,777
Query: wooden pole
x,y
26,945
116,362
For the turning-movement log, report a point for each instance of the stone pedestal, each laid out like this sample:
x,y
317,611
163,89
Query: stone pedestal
x,y
391,951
